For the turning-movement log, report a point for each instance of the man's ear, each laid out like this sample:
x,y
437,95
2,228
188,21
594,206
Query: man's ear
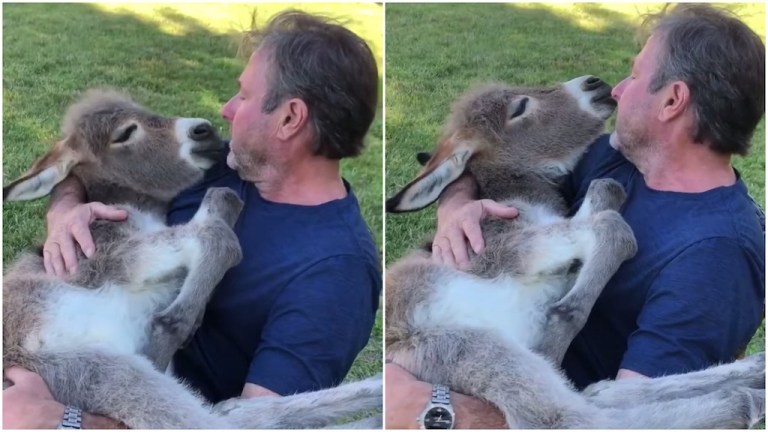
x,y
446,165
294,115
677,98
44,174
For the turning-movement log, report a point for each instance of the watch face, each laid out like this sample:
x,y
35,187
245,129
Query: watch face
x,y
438,418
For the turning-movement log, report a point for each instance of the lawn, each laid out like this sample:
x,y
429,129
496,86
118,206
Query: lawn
x,y
177,59
436,51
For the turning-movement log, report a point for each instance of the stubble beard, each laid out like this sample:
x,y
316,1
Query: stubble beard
x,y
633,141
250,166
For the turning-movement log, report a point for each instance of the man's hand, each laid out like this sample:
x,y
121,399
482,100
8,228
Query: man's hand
x,y
69,226
458,223
406,397
28,404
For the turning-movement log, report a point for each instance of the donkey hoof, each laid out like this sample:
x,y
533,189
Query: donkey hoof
x,y
224,203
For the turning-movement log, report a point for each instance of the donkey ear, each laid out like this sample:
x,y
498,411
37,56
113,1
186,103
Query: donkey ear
x,y
45,173
443,168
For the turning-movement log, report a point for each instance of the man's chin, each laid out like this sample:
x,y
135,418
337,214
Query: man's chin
x,y
613,140
231,160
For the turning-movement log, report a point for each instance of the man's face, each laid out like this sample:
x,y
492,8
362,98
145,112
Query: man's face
x,y
636,119
252,145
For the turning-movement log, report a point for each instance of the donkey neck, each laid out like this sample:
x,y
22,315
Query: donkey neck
x,y
114,194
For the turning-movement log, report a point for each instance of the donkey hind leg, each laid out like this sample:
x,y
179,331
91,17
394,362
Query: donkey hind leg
x,y
311,410
526,387
126,388
609,242
722,409
748,373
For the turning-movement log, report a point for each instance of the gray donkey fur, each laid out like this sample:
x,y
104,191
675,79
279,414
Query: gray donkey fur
x,y
499,330
101,337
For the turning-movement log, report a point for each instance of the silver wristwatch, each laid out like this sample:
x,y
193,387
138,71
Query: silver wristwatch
x,y
73,418
439,412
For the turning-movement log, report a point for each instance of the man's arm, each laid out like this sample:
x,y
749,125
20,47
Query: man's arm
x,y
406,398
69,221
253,390
29,404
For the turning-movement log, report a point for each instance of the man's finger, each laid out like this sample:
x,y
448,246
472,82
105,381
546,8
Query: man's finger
x,y
474,235
459,248
56,260
492,208
47,263
82,235
102,211
68,254
437,254
447,253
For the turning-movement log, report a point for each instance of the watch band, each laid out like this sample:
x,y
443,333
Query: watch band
x,y
438,414
73,418
441,394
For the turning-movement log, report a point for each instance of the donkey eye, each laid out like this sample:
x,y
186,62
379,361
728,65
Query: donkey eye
x,y
520,108
126,135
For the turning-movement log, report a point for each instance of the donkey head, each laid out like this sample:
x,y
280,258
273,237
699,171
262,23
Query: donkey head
x,y
495,129
109,139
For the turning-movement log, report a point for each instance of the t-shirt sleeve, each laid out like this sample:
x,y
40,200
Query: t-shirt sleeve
x,y
703,308
317,326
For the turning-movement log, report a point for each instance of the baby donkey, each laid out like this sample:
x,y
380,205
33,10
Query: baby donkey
x,y
499,330
101,337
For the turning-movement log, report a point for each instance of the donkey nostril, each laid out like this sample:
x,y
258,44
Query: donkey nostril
x,y
592,83
201,132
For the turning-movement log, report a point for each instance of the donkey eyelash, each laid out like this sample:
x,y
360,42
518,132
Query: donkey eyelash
x,y
126,134
520,108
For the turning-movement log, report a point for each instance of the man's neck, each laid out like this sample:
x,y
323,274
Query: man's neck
x,y
686,167
310,183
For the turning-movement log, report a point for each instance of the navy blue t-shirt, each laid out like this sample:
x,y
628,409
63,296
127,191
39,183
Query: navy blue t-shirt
x,y
294,314
694,293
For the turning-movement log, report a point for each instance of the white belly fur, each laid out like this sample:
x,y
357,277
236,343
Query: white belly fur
x,y
110,319
503,306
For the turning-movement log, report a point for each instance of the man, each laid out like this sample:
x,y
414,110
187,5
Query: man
x,y
694,294
294,314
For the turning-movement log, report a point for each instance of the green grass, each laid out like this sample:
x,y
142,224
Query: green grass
x,y
175,59
436,51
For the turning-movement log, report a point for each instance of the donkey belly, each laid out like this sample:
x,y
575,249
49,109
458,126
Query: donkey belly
x,y
504,306
109,319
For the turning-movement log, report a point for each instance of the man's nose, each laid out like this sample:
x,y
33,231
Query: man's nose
x,y
228,111
618,89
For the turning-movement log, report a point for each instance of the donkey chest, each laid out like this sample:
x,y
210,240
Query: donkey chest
x,y
110,319
504,306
